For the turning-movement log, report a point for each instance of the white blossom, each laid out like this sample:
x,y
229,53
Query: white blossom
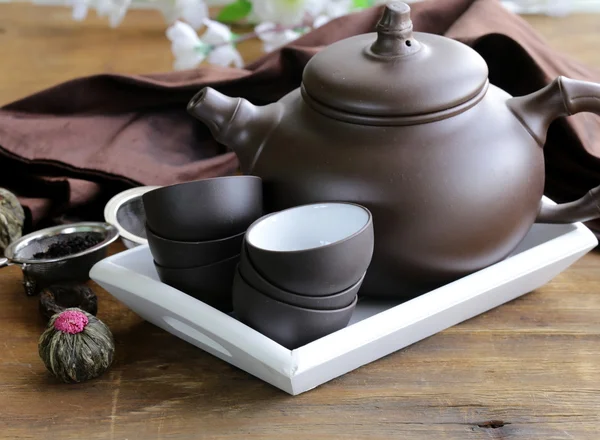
x,y
276,32
559,8
215,45
221,39
272,37
80,10
216,33
286,12
333,9
187,48
193,12
226,56
115,10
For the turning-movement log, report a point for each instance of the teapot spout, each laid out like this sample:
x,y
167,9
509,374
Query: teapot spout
x,y
236,123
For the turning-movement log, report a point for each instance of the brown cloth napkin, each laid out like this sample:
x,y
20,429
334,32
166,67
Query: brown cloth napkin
x,y
68,149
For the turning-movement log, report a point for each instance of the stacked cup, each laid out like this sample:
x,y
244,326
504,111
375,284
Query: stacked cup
x,y
301,270
195,232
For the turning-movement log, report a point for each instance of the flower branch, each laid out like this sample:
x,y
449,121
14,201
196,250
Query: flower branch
x,y
276,23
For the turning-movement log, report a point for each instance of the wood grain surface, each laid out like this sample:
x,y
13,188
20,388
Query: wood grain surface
x,y
527,370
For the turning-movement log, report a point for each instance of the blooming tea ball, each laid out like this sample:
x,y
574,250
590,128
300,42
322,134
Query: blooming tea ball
x,y
76,346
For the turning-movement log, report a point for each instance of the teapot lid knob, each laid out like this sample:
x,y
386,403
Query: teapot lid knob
x,y
395,32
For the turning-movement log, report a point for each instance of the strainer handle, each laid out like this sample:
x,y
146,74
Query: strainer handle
x,y
4,262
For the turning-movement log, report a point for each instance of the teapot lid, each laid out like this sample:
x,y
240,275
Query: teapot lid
x,y
394,73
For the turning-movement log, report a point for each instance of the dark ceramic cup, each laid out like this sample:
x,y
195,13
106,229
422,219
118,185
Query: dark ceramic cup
x,y
315,250
329,302
185,254
285,324
211,284
207,209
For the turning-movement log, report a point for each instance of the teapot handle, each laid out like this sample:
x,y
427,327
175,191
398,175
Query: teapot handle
x,y
564,97
580,96
583,210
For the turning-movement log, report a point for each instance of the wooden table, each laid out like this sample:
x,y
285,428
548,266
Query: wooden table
x,y
527,370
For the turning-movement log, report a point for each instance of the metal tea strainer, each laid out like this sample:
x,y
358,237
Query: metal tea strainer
x,y
126,212
40,272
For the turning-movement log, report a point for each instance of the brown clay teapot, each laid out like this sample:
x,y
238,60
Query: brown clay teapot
x,y
408,125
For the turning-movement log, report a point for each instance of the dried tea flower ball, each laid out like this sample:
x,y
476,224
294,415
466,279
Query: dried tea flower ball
x,y
76,346
12,218
58,297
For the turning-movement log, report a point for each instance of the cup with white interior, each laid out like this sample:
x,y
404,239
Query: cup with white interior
x,y
316,250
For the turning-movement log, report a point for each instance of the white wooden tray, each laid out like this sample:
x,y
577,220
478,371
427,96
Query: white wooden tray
x,y
376,329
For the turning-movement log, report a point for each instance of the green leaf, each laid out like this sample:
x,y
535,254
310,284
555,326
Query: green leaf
x,y
362,4
235,11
